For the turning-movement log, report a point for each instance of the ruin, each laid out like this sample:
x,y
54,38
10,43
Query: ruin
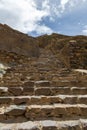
x,y
43,91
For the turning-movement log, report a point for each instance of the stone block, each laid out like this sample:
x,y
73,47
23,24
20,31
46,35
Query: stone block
x,y
70,100
60,90
28,84
28,91
5,100
16,91
82,100
60,112
20,100
42,83
49,125
83,111
36,100
33,113
2,117
79,91
53,100
47,113
15,110
73,111
43,91
61,83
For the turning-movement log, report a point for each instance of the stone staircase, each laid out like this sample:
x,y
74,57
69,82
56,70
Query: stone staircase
x,y
43,95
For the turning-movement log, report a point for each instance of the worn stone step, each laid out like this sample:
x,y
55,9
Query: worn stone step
x,y
46,125
16,91
44,100
58,83
56,112
43,112
47,91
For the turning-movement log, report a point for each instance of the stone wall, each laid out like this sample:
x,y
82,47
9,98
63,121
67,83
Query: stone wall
x,y
74,55
78,55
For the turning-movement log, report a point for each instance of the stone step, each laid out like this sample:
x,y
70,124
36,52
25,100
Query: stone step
x,y
56,112
50,91
46,125
47,91
44,100
57,82
43,112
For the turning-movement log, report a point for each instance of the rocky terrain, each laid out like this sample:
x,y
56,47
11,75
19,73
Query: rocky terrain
x,y
43,81
16,42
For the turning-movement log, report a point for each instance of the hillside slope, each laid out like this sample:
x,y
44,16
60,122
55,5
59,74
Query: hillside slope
x,y
72,50
17,42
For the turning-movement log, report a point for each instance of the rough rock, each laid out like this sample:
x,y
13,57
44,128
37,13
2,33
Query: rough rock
x,y
17,42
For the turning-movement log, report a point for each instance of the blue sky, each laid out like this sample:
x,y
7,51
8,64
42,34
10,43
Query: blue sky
x,y
38,17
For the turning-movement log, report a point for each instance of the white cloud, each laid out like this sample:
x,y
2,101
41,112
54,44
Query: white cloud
x,y
28,15
67,6
84,31
63,4
23,15
43,28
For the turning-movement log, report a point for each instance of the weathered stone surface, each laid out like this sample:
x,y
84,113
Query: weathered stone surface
x,y
45,100
83,111
43,91
76,127
54,100
3,91
28,90
49,125
60,112
70,125
46,125
2,117
75,54
73,111
79,90
61,83
21,100
5,100
33,113
15,110
47,113
20,126
70,100
17,42
15,90
28,84
42,83
36,100
28,126
84,125
54,111
82,100
60,90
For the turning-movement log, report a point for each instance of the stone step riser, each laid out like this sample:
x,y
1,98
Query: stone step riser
x,y
60,90
59,84
43,100
45,113
47,125
56,113
47,91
